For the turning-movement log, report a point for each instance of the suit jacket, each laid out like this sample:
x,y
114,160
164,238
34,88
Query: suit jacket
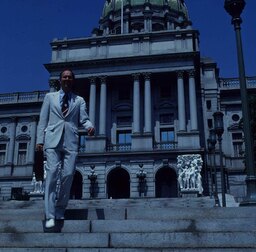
x,y
52,124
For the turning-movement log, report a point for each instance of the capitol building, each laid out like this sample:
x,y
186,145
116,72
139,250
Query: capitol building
x,y
151,97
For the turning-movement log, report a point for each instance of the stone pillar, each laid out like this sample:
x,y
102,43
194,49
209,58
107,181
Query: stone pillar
x,y
11,147
126,20
192,101
145,25
147,104
92,105
148,13
181,102
136,104
103,106
31,151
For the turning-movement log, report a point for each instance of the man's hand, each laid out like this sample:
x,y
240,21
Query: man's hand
x,y
90,131
39,147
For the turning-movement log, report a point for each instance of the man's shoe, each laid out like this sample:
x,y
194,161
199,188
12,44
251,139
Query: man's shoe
x,y
50,223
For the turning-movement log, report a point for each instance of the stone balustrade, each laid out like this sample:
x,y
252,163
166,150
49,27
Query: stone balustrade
x,y
233,83
23,97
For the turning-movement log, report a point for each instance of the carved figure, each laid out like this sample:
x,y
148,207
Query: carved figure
x,y
189,177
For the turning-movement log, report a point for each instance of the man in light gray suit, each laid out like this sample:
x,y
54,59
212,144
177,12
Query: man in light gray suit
x,y
57,133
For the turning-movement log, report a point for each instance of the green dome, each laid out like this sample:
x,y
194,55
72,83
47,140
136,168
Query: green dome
x,y
142,16
115,5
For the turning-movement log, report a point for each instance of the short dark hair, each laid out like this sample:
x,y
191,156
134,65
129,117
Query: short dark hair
x,y
67,69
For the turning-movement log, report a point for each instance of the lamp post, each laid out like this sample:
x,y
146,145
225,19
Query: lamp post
x,y
210,151
219,129
211,147
235,8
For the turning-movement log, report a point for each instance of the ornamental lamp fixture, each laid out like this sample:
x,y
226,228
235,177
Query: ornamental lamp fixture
x,y
218,123
234,7
211,140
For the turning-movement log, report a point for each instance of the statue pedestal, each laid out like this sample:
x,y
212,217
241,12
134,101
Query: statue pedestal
x,y
189,194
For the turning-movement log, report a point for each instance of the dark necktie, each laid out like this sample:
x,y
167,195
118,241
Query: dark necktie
x,y
65,105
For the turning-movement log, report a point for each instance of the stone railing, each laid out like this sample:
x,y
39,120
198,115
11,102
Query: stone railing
x,y
24,97
119,147
233,83
166,145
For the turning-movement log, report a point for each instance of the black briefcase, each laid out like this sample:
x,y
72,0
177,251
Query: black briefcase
x,y
39,165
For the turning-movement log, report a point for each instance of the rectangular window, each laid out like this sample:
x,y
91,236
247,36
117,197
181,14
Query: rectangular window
x,y
210,123
167,135
22,153
238,144
124,137
238,149
209,104
2,153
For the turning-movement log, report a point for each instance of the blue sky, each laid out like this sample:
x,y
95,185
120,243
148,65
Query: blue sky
x,y
28,26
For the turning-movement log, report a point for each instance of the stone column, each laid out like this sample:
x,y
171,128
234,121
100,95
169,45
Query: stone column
x,y
136,104
192,101
126,21
31,151
11,147
181,102
103,106
147,103
92,105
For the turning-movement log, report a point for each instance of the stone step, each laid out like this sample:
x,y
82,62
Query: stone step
x,y
191,213
159,226
134,213
130,240
127,250
114,203
129,226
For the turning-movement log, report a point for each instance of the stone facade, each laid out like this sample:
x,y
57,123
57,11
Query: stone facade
x,y
151,97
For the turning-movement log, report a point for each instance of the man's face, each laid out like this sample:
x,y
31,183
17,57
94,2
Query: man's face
x,y
67,81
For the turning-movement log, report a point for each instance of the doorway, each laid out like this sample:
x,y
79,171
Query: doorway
x,y
166,183
118,184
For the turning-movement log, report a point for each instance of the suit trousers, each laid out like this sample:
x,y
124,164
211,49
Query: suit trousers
x,y
60,166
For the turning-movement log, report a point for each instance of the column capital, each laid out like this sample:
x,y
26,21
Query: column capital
x,y
103,78
147,76
191,73
136,76
92,79
180,73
